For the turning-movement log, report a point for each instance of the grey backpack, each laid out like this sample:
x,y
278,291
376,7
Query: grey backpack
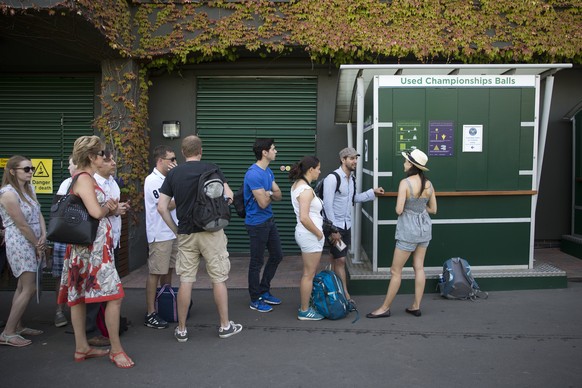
x,y
457,282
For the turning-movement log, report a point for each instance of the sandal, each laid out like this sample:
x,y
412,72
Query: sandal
x,y
29,331
91,353
113,358
14,340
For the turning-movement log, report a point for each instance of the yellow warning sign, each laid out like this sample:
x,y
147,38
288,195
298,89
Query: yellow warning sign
x,y
3,162
42,179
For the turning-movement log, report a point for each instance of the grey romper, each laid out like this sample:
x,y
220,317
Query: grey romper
x,y
414,224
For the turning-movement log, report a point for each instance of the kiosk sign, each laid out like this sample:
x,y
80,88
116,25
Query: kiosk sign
x,y
408,136
457,81
440,138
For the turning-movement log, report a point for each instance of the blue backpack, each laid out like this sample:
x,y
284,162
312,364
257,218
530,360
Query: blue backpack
x,y
457,282
328,296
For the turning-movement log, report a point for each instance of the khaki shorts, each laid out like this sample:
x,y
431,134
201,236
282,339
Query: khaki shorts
x,y
162,256
211,246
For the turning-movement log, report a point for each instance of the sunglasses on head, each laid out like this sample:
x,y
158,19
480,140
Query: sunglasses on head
x,y
25,169
171,159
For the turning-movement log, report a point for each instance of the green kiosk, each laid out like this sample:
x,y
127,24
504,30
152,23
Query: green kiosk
x,y
483,128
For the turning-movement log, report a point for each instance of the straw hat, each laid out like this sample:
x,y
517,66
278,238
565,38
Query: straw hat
x,y
416,157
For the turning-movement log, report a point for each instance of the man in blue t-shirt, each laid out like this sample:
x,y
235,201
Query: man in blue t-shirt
x,y
260,190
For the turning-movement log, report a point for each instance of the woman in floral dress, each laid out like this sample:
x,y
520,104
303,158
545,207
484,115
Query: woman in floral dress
x,y
89,274
25,238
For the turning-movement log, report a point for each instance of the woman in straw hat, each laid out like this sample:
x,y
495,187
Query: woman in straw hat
x,y
416,198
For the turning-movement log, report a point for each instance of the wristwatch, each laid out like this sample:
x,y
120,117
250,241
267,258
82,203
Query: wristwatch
x,y
270,193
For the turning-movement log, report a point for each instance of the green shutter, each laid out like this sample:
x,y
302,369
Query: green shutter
x,y
232,112
40,117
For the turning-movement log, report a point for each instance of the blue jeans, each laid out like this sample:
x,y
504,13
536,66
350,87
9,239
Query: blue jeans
x,y
263,236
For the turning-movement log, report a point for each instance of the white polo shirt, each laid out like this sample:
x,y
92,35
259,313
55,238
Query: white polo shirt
x,y
111,190
156,228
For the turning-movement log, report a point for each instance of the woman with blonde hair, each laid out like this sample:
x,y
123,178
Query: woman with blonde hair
x,y
25,242
89,274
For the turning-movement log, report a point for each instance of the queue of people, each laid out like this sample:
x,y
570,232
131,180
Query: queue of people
x,y
87,273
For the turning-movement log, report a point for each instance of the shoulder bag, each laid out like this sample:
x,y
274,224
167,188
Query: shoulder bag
x,y
70,221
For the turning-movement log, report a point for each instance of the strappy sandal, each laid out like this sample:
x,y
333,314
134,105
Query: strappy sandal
x,y
29,331
91,353
15,340
113,358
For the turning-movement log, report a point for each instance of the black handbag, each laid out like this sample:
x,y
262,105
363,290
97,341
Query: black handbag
x,y
70,221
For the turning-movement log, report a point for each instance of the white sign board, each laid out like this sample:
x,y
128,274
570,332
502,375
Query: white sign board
x,y
457,81
473,138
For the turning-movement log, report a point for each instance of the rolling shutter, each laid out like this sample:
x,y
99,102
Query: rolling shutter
x,y
232,112
41,117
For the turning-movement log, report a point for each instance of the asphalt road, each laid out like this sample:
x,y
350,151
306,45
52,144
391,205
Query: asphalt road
x,y
513,339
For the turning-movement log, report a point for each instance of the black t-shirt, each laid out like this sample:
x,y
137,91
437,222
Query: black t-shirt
x,y
182,184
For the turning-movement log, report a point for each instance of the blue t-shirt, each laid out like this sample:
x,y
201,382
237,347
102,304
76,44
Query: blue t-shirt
x,y
257,178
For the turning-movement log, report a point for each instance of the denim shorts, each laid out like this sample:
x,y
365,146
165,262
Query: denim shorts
x,y
410,247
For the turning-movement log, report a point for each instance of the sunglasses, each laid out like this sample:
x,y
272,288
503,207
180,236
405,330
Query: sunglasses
x,y
101,153
171,159
25,169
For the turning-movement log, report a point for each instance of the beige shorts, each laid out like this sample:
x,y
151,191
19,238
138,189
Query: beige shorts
x,y
162,256
211,246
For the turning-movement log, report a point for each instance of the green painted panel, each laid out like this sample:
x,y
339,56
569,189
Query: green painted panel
x,y
41,117
232,112
503,139
385,145
513,206
528,104
441,106
480,244
471,166
385,114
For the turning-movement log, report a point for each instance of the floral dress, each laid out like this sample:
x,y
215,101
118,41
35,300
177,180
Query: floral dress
x,y
89,274
21,254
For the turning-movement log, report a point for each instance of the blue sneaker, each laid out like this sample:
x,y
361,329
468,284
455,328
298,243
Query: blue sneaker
x,y
270,299
309,315
260,306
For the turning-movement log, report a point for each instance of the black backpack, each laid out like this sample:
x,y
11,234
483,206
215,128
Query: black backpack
x,y
319,186
210,210
239,202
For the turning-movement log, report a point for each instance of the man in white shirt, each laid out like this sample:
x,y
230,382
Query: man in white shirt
x,y
163,245
339,194
104,177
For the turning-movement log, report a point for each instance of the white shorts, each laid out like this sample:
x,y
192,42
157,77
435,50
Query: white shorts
x,y
308,242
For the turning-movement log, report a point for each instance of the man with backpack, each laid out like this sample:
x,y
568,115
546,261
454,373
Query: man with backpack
x,y
339,194
260,190
194,242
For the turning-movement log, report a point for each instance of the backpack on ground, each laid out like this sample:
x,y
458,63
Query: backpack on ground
x,y
319,186
328,296
457,282
239,202
166,303
210,210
